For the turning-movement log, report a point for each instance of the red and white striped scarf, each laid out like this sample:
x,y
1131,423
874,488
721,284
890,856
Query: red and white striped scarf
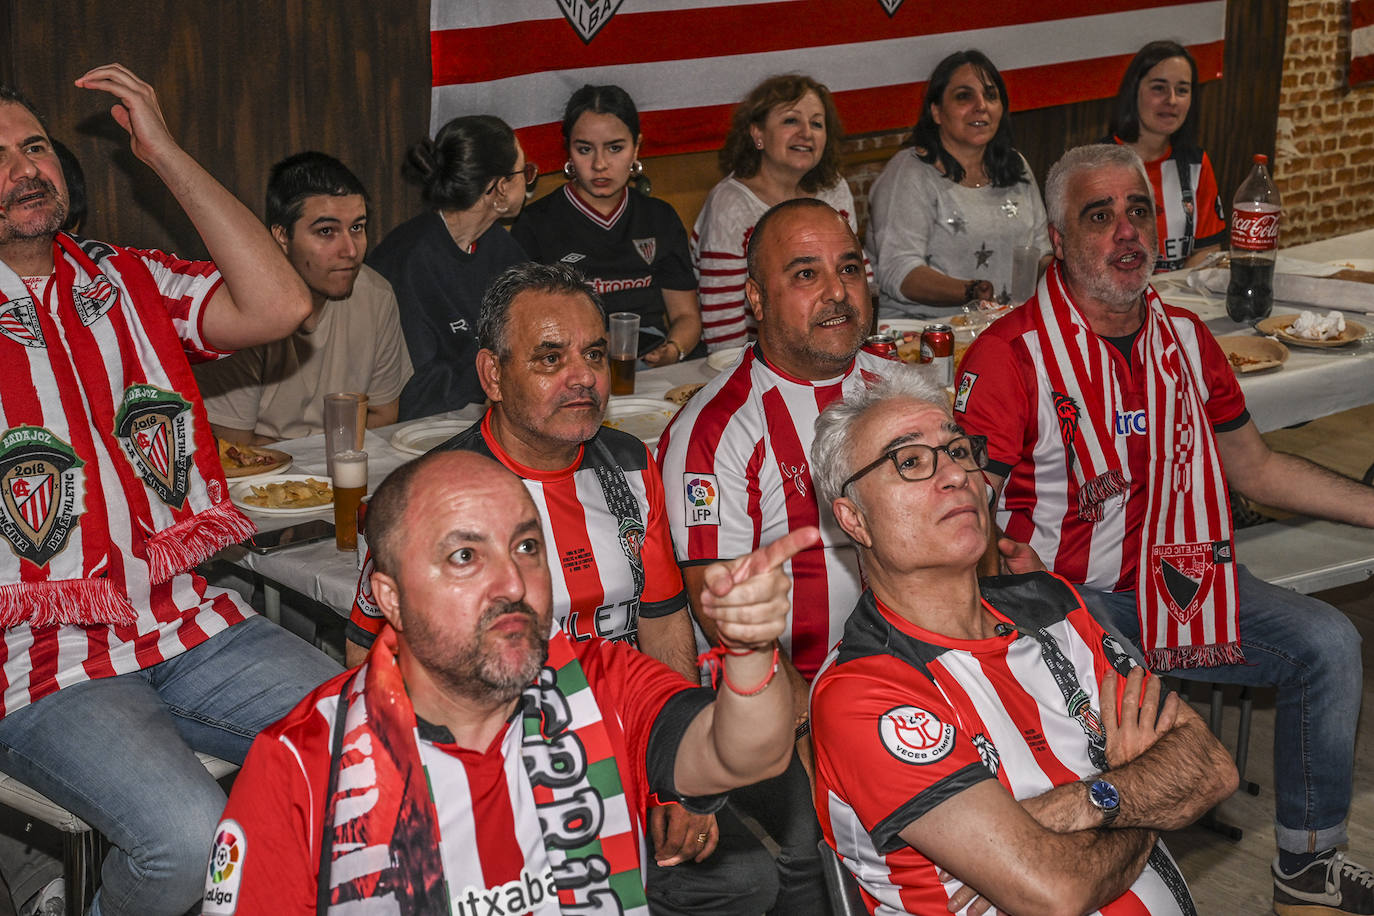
x,y
380,796
1186,576
106,455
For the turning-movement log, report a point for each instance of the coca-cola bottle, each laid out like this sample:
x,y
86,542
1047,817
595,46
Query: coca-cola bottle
x,y
1254,245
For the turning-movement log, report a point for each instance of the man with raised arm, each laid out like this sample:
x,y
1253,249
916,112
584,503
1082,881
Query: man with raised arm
x,y
481,760
120,661
1114,425
983,737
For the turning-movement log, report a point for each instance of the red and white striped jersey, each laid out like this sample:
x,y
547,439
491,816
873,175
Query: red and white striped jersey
x,y
905,719
1002,392
172,617
736,467
491,843
1209,221
596,589
720,239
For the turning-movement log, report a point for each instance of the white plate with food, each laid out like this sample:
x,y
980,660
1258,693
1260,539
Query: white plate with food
x,y
283,494
1363,264
721,359
243,461
422,435
643,418
1278,326
1248,354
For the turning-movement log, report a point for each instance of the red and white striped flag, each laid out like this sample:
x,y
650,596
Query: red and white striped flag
x,y
1361,41
687,62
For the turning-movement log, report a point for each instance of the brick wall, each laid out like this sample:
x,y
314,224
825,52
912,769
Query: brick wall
x,y
1324,157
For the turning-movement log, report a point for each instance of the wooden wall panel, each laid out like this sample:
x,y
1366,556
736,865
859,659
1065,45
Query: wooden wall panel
x,y
246,83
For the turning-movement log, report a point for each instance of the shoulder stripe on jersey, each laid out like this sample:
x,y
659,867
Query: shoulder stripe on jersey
x,y
1039,599
886,834
613,448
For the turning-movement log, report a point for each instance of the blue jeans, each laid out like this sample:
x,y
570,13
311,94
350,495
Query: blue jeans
x,y
119,753
1311,652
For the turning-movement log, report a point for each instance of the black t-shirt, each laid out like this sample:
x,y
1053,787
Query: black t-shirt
x,y
629,258
439,288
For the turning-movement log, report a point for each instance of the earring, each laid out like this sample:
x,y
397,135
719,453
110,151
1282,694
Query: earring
x,y
637,169
568,171
758,144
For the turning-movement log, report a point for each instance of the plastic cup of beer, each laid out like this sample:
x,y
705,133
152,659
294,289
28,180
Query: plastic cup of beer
x,y
624,334
350,486
345,421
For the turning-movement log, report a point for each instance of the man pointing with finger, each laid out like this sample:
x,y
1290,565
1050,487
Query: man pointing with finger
x,y
480,756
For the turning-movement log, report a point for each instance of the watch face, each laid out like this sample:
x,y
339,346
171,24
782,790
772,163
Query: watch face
x,y
1104,795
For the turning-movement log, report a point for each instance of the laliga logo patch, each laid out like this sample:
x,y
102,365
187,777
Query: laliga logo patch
x,y
41,493
154,427
588,16
19,322
1183,574
965,389
700,504
646,249
225,871
96,299
914,735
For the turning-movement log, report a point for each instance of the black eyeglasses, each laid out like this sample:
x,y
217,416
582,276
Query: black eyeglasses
x,y
531,173
918,462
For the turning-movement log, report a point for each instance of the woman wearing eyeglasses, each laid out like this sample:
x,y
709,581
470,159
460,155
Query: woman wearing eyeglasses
x,y
473,174
631,247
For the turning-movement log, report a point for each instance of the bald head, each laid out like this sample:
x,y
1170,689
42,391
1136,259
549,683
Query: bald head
x,y
770,230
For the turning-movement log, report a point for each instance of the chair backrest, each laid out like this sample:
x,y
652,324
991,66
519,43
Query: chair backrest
x,y
845,899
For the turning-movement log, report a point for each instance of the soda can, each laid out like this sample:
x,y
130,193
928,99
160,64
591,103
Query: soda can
x,y
881,345
937,348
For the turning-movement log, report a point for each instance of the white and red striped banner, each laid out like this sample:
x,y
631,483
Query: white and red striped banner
x,y
687,62
1361,42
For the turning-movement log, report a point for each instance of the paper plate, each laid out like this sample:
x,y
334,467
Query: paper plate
x,y
280,464
643,418
422,435
1249,354
1277,325
1365,264
904,325
241,488
720,359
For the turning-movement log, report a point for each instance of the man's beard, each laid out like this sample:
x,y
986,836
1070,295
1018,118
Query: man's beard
x,y
34,227
1096,280
480,669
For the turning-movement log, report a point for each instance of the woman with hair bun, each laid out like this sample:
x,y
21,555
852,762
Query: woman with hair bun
x,y
631,247
1155,116
946,213
439,263
783,143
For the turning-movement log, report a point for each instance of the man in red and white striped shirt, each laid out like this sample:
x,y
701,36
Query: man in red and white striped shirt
x,y
117,660
977,739
1110,417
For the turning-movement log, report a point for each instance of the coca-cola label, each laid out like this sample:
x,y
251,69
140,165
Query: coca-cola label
x,y
1255,230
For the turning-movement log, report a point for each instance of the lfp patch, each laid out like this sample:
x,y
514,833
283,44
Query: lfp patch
x,y
915,735
965,389
225,872
701,499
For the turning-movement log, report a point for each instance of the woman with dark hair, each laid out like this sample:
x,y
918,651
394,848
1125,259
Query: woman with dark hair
x,y
632,248
947,212
783,143
440,262
1154,115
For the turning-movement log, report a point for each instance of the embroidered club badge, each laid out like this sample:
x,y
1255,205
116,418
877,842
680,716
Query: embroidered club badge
x,y
647,248
42,492
914,735
95,299
19,322
154,427
588,16
1183,575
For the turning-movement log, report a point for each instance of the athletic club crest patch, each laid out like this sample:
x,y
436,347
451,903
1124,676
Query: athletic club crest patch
x,y
19,322
1183,575
154,427
95,299
647,248
914,735
588,16
42,492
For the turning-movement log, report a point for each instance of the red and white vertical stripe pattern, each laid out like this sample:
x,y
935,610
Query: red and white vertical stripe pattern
x,y
1361,42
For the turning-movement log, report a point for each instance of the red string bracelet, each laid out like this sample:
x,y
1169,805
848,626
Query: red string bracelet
x,y
714,661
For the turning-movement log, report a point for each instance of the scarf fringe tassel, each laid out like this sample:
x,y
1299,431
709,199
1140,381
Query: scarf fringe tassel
x,y
1097,491
194,540
83,602
1169,659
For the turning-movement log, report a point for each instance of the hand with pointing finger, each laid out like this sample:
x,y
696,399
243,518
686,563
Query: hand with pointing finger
x,y
747,597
